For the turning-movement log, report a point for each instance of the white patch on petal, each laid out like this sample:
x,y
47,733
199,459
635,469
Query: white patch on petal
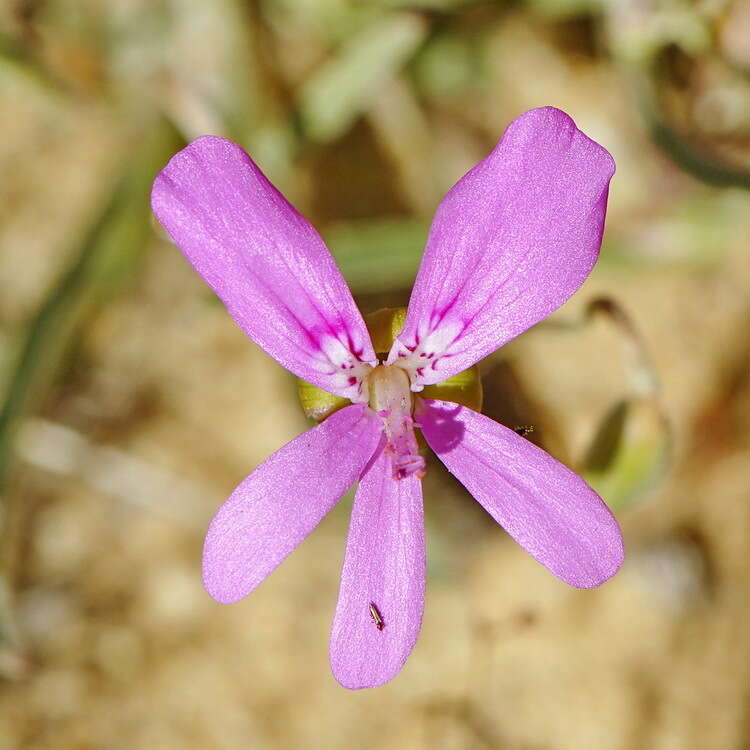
x,y
348,373
425,350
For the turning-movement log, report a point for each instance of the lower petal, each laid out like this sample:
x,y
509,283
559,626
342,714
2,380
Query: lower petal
x,y
549,510
381,600
283,500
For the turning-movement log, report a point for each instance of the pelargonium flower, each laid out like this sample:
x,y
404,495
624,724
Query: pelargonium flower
x,y
509,244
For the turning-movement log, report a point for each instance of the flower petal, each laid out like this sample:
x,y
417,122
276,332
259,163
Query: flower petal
x,y
509,244
283,500
550,511
266,263
384,568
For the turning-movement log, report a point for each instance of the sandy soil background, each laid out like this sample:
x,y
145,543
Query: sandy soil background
x,y
133,404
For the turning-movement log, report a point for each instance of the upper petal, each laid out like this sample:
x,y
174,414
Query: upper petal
x,y
549,510
384,568
510,243
265,261
283,500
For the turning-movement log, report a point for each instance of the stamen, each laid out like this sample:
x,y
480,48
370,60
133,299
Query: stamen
x,y
391,398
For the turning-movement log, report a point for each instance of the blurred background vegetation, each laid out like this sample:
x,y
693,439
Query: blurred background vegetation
x,y
131,404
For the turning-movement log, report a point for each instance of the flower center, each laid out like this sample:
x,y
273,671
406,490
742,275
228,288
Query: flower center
x,y
391,398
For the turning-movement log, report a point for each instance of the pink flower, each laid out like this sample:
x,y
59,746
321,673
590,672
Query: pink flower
x,y
509,244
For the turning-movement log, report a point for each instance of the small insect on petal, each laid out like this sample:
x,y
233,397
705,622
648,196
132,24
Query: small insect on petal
x,y
377,618
524,430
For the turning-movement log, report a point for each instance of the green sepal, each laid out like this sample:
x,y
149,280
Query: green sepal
x,y
464,388
383,326
317,403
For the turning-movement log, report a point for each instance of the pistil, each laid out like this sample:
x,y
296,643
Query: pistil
x,y
392,399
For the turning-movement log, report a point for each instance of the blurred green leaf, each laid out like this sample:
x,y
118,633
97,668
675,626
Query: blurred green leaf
x,y
449,66
608,438
631,446
697,157
692,158
339,92
376,256
691,232
108,253
629,452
